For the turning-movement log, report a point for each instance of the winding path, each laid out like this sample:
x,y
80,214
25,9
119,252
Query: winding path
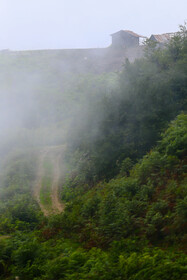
x,y
54,154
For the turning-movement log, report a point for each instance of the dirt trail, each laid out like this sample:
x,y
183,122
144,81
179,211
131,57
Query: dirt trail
x,y
54,154
56,204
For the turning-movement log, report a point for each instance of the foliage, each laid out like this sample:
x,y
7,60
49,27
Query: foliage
x,y
147,203
18,210
126,189
128,122
45,192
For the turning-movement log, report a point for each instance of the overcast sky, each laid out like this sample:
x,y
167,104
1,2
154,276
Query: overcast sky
x,y
44,24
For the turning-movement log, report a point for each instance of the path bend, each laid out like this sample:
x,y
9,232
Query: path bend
x,y
54,154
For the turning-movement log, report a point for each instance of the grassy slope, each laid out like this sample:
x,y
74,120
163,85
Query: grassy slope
x,y
132,227
149,202
135,222
45,192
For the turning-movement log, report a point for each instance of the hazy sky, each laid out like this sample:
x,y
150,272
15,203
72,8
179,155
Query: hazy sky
x,y
41,24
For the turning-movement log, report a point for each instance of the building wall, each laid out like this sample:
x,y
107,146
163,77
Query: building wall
x,y
152,38
97,61
124,40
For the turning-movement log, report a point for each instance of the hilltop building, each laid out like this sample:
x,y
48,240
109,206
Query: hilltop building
x,y
125,45
162,38
126,39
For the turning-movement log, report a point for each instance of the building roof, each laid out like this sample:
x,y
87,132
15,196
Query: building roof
x,y
129,32
162,38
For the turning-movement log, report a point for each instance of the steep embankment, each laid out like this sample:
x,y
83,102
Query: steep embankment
x,y
47,182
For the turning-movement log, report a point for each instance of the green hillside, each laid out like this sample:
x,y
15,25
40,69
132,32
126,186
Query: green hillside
x,y
114,144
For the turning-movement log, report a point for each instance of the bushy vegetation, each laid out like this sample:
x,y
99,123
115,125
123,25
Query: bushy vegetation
x,y
116,230
18,209
128,122
45,192
126,189
146,202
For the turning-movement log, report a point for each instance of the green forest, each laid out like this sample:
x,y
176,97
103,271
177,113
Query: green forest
x,y
117,142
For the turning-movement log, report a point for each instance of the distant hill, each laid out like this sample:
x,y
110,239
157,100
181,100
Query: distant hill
x,y
98,60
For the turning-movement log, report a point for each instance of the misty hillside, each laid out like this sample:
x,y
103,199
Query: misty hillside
x,y
93,167
39,98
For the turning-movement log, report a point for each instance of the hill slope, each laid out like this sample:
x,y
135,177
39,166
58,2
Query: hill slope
x,y
132,218
122,175
46,187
